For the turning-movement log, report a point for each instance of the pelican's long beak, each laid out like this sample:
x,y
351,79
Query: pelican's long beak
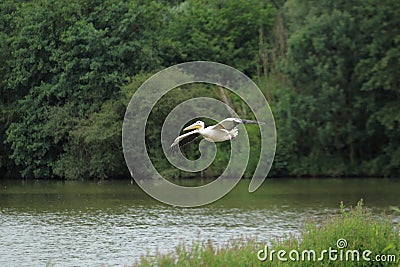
x,y
191,127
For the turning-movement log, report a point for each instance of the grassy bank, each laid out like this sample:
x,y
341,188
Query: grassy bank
x,y
340,239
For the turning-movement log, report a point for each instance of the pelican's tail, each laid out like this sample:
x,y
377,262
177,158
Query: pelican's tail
x,y
233,133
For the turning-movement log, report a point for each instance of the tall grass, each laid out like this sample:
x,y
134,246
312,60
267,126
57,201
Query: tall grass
x,y
358,226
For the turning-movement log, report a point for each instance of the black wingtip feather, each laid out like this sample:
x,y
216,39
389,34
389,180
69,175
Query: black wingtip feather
x,y
252,122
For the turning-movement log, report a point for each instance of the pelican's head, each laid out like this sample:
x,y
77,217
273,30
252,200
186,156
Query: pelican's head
x,y
197,125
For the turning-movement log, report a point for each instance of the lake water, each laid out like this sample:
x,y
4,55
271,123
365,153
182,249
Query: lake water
x,y
114,223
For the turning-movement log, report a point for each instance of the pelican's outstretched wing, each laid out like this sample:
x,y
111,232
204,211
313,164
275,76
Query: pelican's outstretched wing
x,y
230,123
184,139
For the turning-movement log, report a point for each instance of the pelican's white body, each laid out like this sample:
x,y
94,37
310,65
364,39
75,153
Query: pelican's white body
x,y
218,135
224,130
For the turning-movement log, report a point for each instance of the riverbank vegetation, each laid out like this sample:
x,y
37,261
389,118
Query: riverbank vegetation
x,y
330,70
354,229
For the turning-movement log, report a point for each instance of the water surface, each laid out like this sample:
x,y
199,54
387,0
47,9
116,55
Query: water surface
x,y
114,223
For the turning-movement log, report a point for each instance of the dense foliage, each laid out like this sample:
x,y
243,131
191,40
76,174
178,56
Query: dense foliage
x,y
330,70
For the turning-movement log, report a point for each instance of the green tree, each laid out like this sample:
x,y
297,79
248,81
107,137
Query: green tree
x,y
378,74
68,58
222,31
343,59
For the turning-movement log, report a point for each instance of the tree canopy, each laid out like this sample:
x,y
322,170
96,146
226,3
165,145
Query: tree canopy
x,y
330,70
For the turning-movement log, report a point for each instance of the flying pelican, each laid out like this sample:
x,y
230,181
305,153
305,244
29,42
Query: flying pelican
x,y
224,130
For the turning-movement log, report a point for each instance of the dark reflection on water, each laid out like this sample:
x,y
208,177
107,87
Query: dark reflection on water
x,y
113,223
